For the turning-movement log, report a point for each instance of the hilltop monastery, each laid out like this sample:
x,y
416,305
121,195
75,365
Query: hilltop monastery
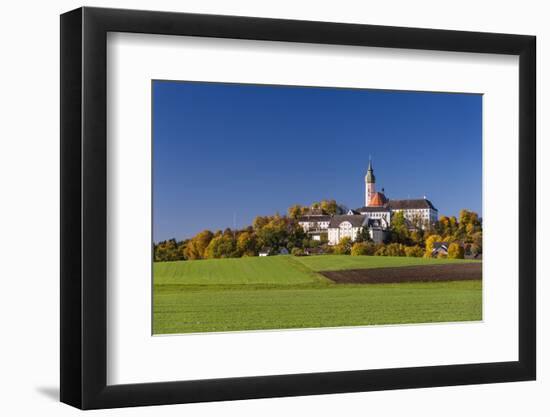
x,y
376,215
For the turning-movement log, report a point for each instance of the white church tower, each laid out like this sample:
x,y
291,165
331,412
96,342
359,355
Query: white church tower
x,y
370,187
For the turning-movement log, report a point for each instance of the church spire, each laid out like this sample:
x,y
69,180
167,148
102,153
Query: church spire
x,y
370,187
369,178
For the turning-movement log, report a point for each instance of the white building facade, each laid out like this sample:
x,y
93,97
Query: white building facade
x,y
315,224
345,226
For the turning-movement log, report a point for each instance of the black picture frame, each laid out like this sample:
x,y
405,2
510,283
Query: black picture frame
x,y
84,207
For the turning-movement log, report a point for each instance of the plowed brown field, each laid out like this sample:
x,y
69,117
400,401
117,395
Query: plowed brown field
x,y
425,273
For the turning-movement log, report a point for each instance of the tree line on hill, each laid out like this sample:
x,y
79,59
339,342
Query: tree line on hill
x,y
464,236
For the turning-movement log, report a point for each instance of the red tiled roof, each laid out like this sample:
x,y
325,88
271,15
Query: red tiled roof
x,y
378,200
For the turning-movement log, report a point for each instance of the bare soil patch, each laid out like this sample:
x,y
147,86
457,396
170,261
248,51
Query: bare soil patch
x,y
424,273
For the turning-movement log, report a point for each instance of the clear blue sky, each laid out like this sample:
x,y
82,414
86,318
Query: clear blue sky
x,y
225,150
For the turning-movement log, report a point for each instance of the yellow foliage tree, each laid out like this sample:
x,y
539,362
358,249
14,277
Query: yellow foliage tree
x,y
414,251
344,247
246,244
363,248
430,240
455,251
196,247
295,211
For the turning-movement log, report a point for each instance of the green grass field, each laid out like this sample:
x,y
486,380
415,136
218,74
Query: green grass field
x,y
278,270
340,262
282,292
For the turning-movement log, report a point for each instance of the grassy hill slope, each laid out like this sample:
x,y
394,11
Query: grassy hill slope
x,y
277,270
340,262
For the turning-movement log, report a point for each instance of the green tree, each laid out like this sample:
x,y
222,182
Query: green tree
x,y
363,248
396,249
297,252
274,233
393,249
223,246
329,207
310,243
343,247
417,237
295,235
363,235
169,250
399,230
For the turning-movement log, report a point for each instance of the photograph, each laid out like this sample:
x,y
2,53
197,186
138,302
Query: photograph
x,y
335,205
302,207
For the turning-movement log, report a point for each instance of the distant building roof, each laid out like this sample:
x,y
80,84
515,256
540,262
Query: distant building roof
x,y
419,203
368,209
316,218
378,200
356,220
314,212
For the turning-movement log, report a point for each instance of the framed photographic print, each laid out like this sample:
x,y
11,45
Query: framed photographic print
x,y
257,208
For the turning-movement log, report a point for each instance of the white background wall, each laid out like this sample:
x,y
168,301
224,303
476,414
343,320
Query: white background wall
x,y
29,175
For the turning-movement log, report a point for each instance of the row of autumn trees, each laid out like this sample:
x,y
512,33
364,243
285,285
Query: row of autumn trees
x,y
274,232
464,236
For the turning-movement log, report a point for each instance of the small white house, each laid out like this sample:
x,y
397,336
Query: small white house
x,y
264,252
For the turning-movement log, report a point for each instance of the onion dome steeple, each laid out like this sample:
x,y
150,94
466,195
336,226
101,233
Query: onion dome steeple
x,y
369,178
